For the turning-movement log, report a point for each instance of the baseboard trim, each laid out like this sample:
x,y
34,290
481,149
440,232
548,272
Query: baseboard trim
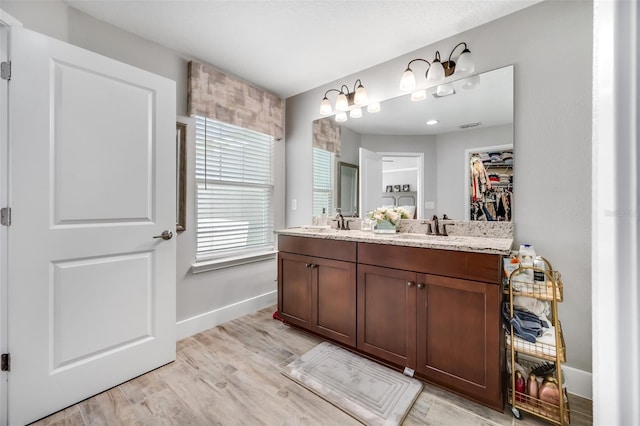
x,y
579,382
198,323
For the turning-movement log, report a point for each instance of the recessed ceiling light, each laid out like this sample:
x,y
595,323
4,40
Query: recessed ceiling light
x,y
432,122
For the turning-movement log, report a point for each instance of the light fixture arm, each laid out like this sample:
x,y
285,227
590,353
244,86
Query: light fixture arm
x,y
418,59
357,84
331,90
454,49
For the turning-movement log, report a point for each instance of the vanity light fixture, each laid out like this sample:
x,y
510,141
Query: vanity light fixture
x,y
437,70
351,101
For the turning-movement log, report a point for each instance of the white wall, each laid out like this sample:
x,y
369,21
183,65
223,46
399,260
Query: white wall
x,y
552,133
205,299
452,164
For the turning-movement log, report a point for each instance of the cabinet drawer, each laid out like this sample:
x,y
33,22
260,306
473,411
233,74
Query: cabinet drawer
x,y
318,247
457,264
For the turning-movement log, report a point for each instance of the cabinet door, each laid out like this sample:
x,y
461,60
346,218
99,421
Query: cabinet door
x,y
294,289
334,300
387,314
458,335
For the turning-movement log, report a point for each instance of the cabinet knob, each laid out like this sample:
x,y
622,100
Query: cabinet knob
x,y
410,283
420,286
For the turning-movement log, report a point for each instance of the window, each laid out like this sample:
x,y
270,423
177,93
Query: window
x,y
234,178
323,173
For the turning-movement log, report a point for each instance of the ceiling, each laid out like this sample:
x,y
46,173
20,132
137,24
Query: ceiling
x,y
289,47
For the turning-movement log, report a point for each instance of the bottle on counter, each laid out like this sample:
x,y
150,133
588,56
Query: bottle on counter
x,y
323,217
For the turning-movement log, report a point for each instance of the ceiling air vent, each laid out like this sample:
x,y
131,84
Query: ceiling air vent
x,y
466,126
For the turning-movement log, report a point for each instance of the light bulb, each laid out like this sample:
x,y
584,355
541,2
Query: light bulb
x,y
408,80
465,63
360,98
342,104
373,107
355,113
435,74
444,89
471,82
419,95
341,117
432,122
325,106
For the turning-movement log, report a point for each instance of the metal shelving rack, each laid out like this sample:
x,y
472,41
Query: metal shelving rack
x,y
551,291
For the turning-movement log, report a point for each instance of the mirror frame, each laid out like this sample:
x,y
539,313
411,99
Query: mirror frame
x,y
341,165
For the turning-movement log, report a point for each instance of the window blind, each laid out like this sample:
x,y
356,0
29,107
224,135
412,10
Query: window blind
x,y
234,178
323,173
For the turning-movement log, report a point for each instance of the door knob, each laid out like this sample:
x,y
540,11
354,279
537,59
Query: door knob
x,y
420,286
166,235
410,283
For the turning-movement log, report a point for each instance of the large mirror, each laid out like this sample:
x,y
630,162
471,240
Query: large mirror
x,y
476,118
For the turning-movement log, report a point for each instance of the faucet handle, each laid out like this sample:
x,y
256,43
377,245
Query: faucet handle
x,y
429,231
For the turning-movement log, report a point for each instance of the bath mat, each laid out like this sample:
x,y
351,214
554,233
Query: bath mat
x,y
370,392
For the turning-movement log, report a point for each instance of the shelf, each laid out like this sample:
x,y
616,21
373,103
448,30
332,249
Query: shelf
x,y
540,408
497,164
539,350
539,291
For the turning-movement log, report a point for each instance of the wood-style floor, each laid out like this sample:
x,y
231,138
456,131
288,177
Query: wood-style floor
x,y
230,375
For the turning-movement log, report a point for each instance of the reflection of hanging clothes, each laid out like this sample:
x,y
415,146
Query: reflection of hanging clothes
x,y
486,211
480,179
477,211
503,205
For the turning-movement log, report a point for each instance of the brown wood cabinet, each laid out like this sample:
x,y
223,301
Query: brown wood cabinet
x,y
387,314
458,336
434,311
318,293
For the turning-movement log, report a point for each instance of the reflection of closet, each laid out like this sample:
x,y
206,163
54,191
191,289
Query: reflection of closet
x,y
491,185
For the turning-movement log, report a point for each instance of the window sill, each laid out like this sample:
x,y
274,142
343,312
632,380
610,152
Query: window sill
x,y
228,262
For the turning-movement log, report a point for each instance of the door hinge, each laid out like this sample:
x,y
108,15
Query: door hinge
x,y
4,362
5,70
5,216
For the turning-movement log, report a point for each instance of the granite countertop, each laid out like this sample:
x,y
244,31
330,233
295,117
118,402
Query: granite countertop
x,y
474,244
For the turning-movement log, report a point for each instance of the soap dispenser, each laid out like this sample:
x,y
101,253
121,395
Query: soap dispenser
x,y
323,218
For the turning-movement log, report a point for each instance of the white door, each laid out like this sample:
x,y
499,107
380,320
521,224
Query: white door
x,y
370,181
92,180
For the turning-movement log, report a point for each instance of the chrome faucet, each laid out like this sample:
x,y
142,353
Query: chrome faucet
x,y
340,220
434,228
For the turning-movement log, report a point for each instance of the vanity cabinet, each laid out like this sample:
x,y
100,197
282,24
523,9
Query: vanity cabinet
x,y
317,287
436,312
432,310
